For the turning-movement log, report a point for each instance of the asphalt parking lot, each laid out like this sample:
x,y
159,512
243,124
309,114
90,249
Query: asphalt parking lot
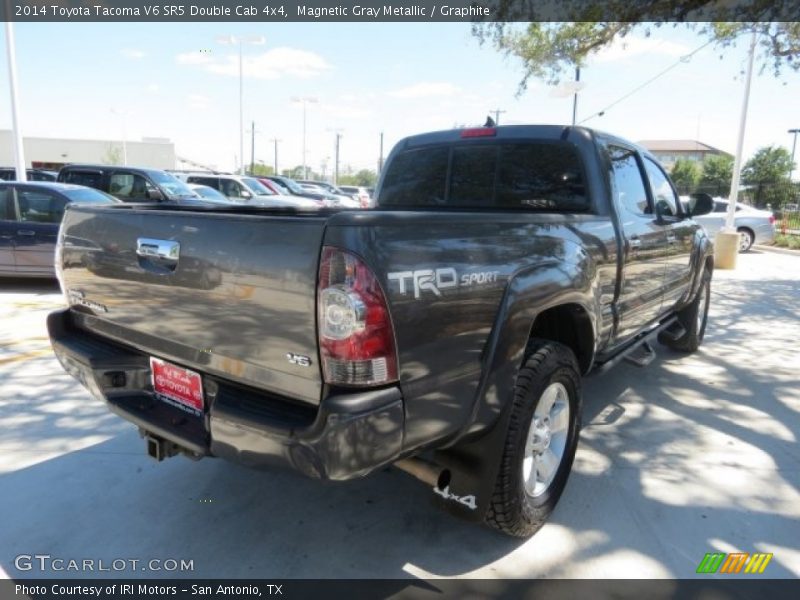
x,y
693,454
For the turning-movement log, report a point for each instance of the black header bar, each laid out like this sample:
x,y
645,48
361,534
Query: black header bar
x,y
331,11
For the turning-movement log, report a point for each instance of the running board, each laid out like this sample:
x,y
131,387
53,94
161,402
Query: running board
x,y
642,356
642,346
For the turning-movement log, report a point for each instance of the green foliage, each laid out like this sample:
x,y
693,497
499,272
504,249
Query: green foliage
x,y
770,164
717,174
551,48
261,170
113,155
788,241
768,172
685,173
364,177
296,173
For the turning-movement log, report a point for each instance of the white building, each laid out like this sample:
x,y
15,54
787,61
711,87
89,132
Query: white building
x,y
52,153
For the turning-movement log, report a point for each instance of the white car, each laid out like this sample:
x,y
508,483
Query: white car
x,y
753,225
359,193
249,190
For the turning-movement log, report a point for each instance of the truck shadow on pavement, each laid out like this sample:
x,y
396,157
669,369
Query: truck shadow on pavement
x,y
693,454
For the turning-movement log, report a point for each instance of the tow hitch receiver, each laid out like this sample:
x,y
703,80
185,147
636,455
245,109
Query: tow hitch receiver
x,y
159,448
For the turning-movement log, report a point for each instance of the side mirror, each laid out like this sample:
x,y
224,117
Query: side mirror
x,y
700,204
246,194
155,195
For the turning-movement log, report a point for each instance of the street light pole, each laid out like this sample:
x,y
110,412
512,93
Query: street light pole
x,y
19,150
380,156
254,40
275,158
304,100
794,132
727,241
575,97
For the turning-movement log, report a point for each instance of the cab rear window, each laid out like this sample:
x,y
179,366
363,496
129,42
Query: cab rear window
x,y
543,176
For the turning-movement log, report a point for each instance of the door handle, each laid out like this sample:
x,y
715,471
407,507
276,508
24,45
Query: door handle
x,y
163,249
26,232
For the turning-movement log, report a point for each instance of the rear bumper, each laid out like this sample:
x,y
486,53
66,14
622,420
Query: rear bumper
x,y
347,436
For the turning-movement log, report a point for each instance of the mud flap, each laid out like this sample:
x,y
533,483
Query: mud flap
x,y
472,467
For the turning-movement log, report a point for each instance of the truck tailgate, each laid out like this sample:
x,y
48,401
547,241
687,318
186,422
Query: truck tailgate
x,y
236,298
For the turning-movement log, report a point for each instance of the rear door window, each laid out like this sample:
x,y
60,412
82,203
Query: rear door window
x,y
87,178
37,206
130,186
532,175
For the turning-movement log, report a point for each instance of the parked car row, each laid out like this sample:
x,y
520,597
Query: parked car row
x,y
30,214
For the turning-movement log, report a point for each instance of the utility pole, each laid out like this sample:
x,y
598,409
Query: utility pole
x,y
497,112
19,151
380,156
794,132
575,97
275,165
336,169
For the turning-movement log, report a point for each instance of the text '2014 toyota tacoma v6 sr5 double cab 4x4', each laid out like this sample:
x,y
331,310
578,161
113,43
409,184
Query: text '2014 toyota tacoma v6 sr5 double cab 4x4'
x,y
446,331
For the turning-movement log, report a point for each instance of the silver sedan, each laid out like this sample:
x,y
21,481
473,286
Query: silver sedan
x,y
753,225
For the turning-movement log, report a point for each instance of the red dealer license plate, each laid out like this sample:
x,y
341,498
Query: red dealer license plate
x,y
177,386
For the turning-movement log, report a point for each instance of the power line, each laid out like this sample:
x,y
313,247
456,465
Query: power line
x,y
682,59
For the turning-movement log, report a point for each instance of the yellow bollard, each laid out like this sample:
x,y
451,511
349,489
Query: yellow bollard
x,y
726,249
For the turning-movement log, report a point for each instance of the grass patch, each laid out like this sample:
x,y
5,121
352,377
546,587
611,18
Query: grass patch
x,y
787,241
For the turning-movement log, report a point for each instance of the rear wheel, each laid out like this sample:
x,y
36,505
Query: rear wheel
x,y
540,442
746,239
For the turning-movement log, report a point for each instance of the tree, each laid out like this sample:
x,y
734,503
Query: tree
x,y
295,173
262,170
685,174
768,170
717,174
364,178
550,50
113,155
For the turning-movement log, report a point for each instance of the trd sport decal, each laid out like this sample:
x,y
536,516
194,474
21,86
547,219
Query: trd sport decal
x,y
436,280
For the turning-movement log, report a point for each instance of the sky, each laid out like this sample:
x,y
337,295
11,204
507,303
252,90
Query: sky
x,y
177,81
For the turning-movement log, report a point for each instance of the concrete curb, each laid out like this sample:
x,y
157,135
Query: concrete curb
x,y
776,250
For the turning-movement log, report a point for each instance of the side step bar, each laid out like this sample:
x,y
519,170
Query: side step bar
x,y
639,351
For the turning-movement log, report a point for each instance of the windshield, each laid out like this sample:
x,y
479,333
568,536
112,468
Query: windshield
x,y
257,187
292,185
88,196
209,193
172,186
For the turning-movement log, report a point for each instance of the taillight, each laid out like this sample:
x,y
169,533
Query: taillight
x,y
478,132
772,219
356,338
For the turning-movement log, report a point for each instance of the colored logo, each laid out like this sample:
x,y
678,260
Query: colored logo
x,y
736,562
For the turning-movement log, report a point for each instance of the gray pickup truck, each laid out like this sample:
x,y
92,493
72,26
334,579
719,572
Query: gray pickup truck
x,y
445,332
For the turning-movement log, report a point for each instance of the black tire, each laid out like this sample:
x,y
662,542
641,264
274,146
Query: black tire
x,y
692,320
512,510
751,238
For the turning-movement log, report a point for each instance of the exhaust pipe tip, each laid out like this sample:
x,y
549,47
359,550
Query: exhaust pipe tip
x,y
426,472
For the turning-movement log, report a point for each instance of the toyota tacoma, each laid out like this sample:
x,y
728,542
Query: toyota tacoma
x,y
446,331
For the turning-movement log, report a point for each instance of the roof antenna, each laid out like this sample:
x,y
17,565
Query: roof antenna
x,y
489,122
